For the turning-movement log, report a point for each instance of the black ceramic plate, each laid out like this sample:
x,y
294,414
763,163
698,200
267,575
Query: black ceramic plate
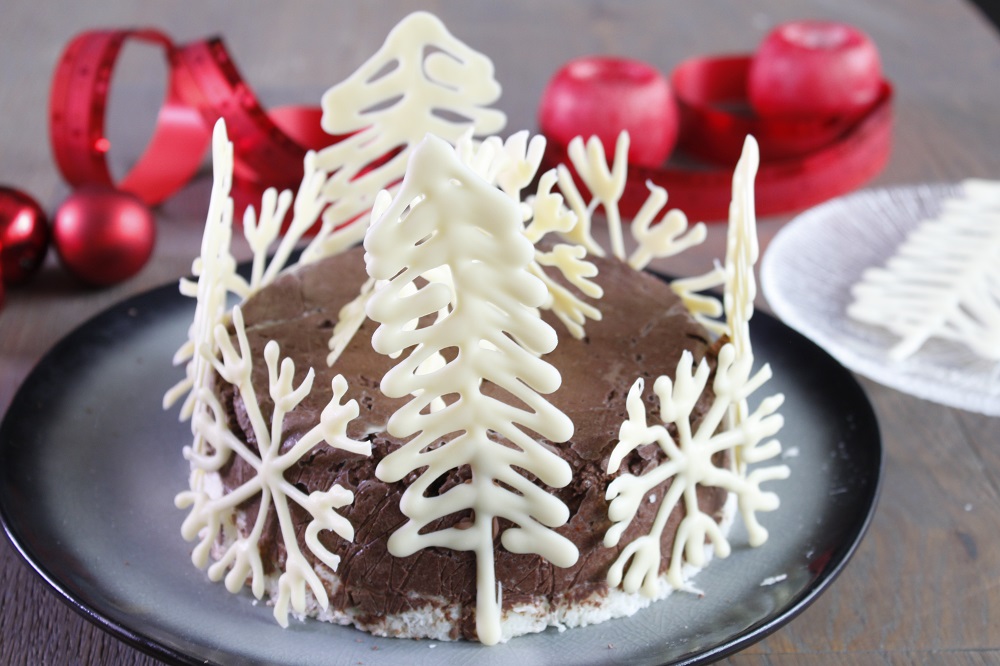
x,y
89,466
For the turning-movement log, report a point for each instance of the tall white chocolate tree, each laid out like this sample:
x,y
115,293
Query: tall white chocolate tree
x,y
464,237
422,80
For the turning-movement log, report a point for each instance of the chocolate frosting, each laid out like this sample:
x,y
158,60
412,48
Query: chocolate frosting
x,y
644,329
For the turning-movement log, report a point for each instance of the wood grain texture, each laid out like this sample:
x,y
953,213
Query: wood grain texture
x,y
923,587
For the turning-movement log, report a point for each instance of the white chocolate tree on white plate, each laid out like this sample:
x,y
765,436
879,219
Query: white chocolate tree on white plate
x,y
446,217
943,281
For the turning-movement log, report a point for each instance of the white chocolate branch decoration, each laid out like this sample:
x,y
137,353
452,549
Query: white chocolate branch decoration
x,y
215,270
422,80
550,215
727,425
446,216
668,238
689,465
349,320
736,275
943,281
209,514
742,251
524,156
606,187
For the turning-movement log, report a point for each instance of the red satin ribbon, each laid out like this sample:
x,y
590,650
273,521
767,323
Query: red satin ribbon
x,y
802,162
203,86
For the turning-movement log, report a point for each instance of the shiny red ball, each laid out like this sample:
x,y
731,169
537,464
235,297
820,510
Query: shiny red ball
x,y
102,235
24,235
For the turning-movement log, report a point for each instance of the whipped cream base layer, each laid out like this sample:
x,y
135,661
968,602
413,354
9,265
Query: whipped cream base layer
x,y
437,618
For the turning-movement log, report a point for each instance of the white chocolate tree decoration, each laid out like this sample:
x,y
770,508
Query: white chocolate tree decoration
x,y
446,217
210,514
728,425
512,165
943,281
215,269
422,80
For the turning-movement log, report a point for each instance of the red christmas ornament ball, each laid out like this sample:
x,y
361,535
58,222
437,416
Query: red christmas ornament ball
x,y
102,235
24,236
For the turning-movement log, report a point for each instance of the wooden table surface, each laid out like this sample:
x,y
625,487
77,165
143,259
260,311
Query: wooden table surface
x,y
922,588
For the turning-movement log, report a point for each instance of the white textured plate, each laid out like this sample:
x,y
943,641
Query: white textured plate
x,y
807,274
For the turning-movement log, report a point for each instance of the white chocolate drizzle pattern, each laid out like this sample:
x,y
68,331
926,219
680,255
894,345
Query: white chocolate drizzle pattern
x,y
214,444
422,80
689,465
944,279
208,515
446,215
727,425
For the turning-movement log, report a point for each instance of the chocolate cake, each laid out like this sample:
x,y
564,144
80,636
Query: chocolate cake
x,y
642,333
482,458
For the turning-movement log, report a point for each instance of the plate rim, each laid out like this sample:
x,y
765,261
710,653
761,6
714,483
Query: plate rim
x,y
155,648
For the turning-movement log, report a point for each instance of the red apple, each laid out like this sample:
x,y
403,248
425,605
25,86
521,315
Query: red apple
x,y
814,69
602,96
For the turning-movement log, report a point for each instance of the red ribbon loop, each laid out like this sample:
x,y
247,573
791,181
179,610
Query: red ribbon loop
x,y
803,162
78,106
203,86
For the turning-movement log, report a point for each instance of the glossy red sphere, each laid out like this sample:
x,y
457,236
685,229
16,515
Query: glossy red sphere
x,y
814,69
24,235
102,235
602,96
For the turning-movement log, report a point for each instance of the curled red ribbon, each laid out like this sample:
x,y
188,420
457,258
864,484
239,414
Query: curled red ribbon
x,y
203,86
803,162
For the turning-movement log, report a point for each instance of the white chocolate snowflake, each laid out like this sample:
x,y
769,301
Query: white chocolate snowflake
x,y
689,465
212,513
727,426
